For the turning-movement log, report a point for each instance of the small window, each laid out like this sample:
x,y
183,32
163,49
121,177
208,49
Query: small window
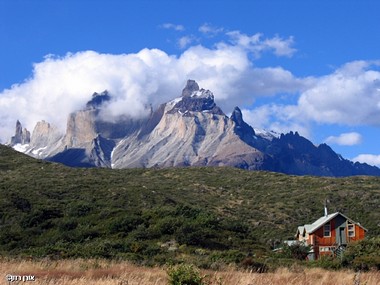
x,y
326,248
351,229
327,230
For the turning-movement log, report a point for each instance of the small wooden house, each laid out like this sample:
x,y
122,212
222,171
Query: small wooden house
x,y
330,234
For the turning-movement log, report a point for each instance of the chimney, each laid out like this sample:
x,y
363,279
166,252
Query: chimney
x,y
326,213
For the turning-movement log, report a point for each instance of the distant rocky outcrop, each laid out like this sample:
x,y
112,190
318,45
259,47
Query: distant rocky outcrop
x,y
98,100
22,136
195,100
188,131
81,129
44,134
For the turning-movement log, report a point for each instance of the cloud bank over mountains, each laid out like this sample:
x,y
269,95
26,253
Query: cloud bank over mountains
x,y
60,85
370,159
350,95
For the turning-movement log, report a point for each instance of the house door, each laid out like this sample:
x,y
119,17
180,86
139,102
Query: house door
x,y
341,238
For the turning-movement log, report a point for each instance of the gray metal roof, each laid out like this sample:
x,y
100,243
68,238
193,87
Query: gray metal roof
x,y
320,222
323,220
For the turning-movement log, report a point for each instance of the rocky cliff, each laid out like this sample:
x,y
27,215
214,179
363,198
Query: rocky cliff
x,y
22,136
188,131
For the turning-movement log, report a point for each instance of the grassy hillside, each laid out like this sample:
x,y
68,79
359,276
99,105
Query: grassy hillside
x,y
211,213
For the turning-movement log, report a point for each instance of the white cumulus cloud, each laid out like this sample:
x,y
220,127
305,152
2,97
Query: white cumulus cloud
x,y
277,118
370,159
185,41
60,85
280,46
348,96
258,45
345,139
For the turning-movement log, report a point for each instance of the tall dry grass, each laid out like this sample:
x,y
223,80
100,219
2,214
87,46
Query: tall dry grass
x,y
97,272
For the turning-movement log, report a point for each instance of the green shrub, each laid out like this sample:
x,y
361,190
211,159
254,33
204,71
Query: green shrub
x,y
125,224
228,256
79,209
327,262
298,251
168,225
366,263
185,274
363,255
67,224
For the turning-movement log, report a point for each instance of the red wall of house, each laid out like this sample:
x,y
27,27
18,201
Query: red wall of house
x,y
320,240
325,241
359,234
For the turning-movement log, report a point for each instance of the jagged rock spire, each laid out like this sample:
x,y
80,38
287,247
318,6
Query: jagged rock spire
x,y
191,86
242,129
98,99
196,100
237,116
22,136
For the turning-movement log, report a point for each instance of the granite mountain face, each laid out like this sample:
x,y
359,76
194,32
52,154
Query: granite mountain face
x,y
188,131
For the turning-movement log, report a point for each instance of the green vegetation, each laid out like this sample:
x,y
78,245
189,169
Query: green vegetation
x,y
204,216
363,255
297,251
184,274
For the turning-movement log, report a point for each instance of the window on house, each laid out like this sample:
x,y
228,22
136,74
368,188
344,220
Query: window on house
x,y
351,229
326,248
327,230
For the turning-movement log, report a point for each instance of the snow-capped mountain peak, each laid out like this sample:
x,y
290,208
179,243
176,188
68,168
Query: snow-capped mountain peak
x,y
187,131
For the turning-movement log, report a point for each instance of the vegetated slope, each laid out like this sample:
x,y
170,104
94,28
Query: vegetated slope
x,y
50,209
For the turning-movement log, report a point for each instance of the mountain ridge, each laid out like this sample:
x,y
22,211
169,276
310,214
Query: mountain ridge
x,y
188,131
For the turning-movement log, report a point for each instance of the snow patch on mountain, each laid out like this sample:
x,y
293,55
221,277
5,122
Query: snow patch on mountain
x,y
268,135
202,94
21,147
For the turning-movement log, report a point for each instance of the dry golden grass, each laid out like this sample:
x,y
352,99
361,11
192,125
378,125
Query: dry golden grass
x,y
97,272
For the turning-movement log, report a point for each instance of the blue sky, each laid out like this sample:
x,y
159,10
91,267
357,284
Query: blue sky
x,y
307,66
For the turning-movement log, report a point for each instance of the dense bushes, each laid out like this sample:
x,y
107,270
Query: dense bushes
x,y
297,251
363,255
185,274
327,262
77,230
209,216
195,234
360,255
